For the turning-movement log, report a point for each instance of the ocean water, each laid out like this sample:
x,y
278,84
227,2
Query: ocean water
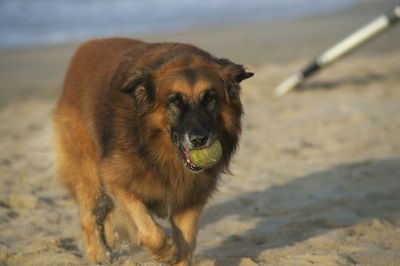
x,y
29,23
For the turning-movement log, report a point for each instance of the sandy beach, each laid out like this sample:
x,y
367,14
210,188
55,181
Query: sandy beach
x,y
316,180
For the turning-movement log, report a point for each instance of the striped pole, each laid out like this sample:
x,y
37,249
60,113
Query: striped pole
x,y
353,41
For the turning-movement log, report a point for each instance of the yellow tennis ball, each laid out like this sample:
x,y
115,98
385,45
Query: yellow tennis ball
x,y
207,157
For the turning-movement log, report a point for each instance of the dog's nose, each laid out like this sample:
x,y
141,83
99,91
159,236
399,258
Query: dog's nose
x,y
198,139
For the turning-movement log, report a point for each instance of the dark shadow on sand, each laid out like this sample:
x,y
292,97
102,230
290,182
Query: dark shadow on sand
x,y
309,206
353,80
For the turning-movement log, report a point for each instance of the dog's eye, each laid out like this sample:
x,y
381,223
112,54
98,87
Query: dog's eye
x,y
175,102
210,100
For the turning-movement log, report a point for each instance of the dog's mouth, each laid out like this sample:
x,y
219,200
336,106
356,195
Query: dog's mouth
x,y
187,160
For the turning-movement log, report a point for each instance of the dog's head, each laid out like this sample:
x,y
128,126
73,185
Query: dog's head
x,y
186,103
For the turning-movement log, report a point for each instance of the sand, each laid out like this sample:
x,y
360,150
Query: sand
x,y
316,180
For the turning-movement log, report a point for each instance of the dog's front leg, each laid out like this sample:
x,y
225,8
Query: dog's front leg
x,y
184,225
151,235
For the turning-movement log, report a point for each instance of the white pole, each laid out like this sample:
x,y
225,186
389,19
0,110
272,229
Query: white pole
x,y
353,41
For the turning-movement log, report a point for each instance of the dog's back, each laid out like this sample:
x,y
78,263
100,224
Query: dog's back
x,y
88,75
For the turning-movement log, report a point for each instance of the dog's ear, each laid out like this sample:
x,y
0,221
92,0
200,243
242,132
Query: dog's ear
x,y
137,83
140,86
232,75
236,73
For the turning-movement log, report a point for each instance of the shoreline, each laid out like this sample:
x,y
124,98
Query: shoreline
x,y
253,45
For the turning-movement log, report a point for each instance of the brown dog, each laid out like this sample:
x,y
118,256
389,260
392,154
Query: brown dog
x,y
127,117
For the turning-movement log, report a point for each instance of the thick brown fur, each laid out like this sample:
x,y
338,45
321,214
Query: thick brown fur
x,y
114,143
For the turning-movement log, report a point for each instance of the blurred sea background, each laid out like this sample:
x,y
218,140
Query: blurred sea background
x,y
33,23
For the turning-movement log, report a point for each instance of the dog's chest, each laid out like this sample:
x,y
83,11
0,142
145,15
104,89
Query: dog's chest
x,y
180,194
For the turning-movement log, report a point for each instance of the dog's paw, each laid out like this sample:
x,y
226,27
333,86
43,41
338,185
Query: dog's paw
x,y
161,246
167,253
98,256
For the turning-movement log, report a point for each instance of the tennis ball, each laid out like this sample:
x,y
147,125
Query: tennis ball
x,y
207,157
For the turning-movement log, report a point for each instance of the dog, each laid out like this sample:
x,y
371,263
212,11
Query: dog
x,y
127,117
